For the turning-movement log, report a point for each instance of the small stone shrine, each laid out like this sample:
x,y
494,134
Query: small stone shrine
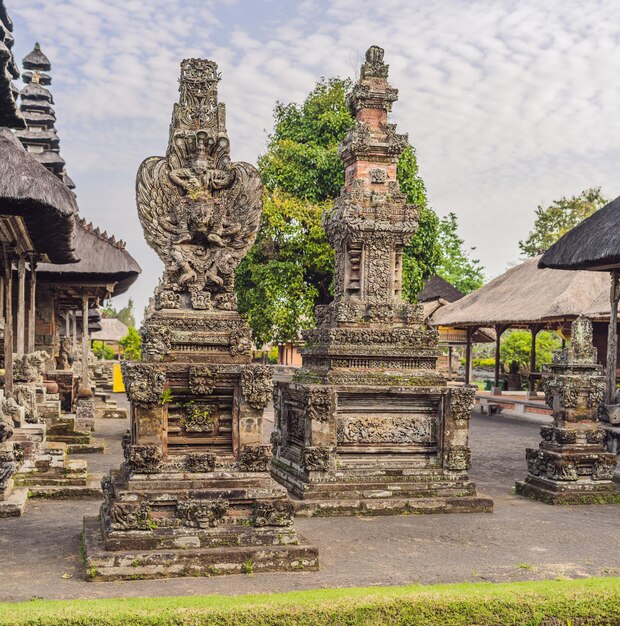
x,y
194,495
368,425
571,464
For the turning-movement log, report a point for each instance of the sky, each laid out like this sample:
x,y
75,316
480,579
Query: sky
x,y
510,104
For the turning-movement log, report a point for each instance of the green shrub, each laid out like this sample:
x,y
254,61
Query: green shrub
x,y
103,351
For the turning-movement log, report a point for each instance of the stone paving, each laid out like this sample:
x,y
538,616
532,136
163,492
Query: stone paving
x,y
521,540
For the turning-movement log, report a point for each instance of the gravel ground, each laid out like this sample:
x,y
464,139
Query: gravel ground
x,y
521,540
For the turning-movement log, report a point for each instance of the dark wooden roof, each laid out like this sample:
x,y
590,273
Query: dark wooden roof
x,y
9,115
103,260
592,245
436,288
46,205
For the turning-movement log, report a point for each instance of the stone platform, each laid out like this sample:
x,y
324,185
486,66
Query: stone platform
x,y
14,504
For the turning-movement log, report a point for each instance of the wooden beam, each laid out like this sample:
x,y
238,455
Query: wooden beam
x,y
85,342
8,321
612,338
21,306
535,329
470,334
32,304
499,331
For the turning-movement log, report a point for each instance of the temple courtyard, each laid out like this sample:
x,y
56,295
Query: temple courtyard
x,y
521,540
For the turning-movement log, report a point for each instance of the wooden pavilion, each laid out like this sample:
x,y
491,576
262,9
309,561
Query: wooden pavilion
x,y
523,297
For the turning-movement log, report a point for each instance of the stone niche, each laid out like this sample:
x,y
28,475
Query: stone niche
x,y
571,464
194,495
368,425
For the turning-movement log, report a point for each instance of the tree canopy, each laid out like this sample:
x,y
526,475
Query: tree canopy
x,y
516,346
558,218
456,265
125,315
290,268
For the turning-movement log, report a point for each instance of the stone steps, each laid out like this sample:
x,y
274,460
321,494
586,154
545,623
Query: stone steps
x,y
91,490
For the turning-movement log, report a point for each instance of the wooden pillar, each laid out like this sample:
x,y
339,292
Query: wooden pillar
x,y
8,322
67,324
32,305
450,361
74,333
535,329
85,341
470,333
499,330
21,306
612,338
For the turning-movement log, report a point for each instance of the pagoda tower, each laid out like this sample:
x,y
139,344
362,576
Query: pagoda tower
x,y
368,425
40,138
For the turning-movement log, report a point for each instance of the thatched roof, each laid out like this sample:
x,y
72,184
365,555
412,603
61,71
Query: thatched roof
x,y
592,245
436,288
36,60
112,329
103,260
525,295
46,205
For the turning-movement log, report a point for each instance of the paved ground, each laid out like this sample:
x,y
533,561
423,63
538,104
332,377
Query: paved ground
x,y
521,540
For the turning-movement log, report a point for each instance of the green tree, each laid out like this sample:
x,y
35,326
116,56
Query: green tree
x,y
125,315
103,351
558,218
517,344
302,171
131,344
457,266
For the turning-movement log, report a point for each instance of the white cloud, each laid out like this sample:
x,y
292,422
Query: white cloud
x,y
509,103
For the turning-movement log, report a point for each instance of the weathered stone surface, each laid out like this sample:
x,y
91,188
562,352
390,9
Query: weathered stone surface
x,y
368,423
194,495
571,464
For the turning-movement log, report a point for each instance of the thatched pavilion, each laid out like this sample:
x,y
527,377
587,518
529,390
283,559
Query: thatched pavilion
x,y
594,245
523,297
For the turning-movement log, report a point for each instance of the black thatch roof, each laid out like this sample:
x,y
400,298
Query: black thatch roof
x,y
436,288
36,60
9,115
103,260
34,91
592,245
47,207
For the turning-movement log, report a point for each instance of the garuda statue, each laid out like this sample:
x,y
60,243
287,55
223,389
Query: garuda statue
x,y
199,211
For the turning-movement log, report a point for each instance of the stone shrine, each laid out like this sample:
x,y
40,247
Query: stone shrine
x,y
571,464
194,495
368,425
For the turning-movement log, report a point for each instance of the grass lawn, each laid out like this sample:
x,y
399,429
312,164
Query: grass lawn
x,y
552,603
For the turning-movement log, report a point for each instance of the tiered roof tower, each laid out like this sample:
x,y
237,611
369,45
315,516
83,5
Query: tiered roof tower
x,y
39,137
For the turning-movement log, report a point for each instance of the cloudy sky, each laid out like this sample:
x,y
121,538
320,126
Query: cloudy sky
x,y
509,103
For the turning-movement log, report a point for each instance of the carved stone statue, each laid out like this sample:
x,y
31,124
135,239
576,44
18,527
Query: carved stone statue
x,y
196,471
64,358
199,211
29,368
571,464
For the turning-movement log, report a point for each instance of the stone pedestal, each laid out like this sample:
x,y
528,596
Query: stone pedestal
x,y
368,425
194,495
571,464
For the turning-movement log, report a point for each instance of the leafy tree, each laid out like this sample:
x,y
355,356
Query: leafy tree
x,y
125,315
558,218
290,268
287,270
456,265
131,344
516,346
103,351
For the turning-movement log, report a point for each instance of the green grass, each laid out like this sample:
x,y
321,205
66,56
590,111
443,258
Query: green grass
x,y
546,603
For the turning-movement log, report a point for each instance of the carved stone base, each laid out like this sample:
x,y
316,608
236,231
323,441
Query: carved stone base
x,y
553,493
85,414
14,504
348,450
106,565
194,523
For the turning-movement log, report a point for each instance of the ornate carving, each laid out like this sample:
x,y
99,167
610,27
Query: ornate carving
x,y
143,459
257,385
378,175
273,514
462,402
156,340
29,368
202,513
129,516
199,211
200,462
167,299
144,383
457,458
241,342
8,467
318,403
255,458
201,380
64,359
408,429
315,458
200,417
